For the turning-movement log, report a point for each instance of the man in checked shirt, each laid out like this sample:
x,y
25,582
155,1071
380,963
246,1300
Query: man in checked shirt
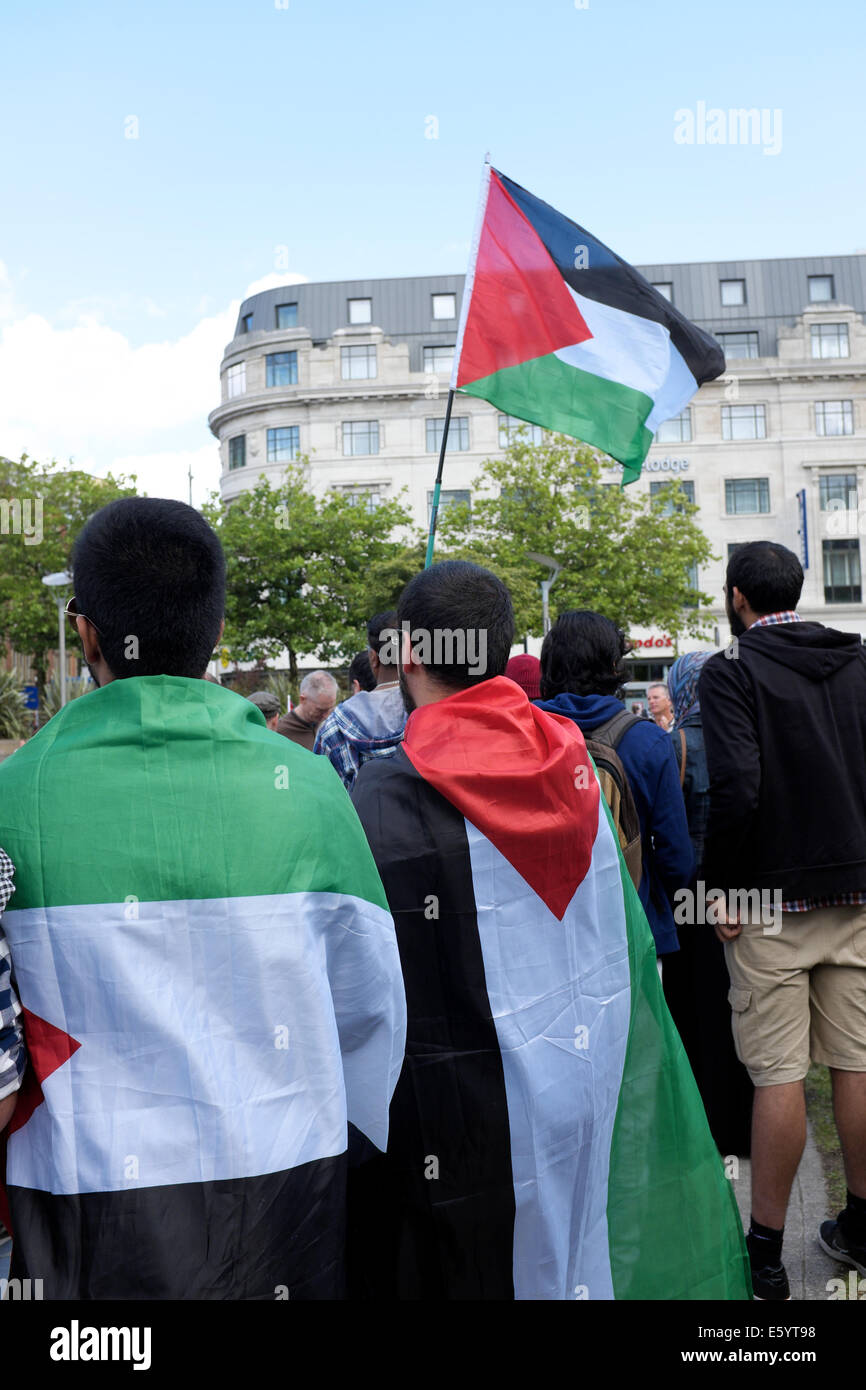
x,y
12,1054
784,720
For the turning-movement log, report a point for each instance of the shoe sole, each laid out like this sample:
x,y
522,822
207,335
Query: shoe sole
x,y
756,1298
844,1259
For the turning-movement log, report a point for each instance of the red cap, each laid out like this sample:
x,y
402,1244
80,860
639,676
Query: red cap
x,y
525,671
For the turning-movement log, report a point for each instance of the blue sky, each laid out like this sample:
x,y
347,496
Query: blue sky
x,y
304,127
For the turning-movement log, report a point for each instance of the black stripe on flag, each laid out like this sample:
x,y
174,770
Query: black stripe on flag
x,y
278,1236
434,1218
608,279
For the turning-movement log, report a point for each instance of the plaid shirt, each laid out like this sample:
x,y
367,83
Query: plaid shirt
x,y
838,899
12,1054
343,740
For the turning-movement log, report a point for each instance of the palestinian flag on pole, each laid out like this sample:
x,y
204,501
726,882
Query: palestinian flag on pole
x,y
212,995
547,1137
558,330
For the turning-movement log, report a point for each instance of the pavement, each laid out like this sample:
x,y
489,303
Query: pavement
x,y
809,1269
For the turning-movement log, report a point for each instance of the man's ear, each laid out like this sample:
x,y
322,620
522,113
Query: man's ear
x,y
406,651
375,663
738,600
90,642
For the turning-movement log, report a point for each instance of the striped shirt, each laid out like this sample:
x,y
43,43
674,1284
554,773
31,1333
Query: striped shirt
x,y
838,899
12,1053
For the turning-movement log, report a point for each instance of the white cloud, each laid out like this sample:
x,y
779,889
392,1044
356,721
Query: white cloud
x,y
274,281
83,391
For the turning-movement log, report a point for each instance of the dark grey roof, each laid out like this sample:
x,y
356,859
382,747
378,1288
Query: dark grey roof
x,y
777,292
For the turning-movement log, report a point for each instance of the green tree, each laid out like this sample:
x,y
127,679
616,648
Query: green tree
x,y
623,553
42,509
299,568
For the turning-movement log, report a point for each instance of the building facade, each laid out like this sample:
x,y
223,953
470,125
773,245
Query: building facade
x,y
355,375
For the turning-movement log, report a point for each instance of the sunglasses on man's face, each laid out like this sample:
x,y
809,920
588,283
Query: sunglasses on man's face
x,y
71,611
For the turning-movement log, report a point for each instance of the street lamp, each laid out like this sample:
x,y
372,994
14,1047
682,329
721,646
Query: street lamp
x,y
546,584
61,580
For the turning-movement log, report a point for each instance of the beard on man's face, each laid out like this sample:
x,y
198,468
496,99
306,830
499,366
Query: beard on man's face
x,y
738,627
404,691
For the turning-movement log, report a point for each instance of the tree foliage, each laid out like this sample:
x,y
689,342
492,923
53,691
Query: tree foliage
x,y
302,569
60,500
623,553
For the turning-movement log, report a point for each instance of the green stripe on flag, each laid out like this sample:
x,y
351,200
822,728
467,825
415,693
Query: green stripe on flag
x,y
558,396
674,1228
161,789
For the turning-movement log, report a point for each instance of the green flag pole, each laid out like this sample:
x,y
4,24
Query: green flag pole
x,y
438,485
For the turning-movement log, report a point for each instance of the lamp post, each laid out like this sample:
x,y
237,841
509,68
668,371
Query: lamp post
x,y
61,580
546,584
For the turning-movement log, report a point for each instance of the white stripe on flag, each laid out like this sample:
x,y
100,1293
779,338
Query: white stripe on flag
x,y
634,351
547,981
220,1038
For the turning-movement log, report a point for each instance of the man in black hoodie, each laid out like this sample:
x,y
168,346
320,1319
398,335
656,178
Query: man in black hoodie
x,y
784,717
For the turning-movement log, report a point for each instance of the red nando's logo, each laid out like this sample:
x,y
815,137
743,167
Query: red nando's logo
x,y
645,643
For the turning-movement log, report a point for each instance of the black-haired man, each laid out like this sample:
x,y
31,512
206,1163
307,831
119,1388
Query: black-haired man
x,y
517,923
784,720
203,953
369,724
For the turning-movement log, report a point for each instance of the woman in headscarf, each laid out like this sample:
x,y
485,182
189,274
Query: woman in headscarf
x,y
696,978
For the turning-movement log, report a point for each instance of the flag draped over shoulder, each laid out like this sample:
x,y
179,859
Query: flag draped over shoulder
x,y
558,330
547,1138
212,995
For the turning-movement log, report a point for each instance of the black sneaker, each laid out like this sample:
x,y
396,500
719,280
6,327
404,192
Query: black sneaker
x,y
770,1284
833,1242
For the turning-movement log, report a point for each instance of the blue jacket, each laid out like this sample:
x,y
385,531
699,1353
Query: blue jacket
x,y
647,755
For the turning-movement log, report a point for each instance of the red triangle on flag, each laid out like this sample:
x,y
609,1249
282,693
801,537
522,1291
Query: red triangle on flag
x,y
48,1048
520,306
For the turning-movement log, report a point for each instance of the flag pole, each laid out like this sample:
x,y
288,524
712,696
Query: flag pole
x,y
437,488
464,313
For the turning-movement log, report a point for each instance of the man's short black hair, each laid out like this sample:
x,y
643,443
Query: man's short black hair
x,y
583,655
447,602
361,672
151,569
768,575
382,623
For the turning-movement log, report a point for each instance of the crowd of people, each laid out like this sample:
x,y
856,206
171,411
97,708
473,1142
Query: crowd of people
x,y
257,1034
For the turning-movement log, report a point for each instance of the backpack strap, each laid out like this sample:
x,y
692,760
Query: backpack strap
x,y
682,734
612,731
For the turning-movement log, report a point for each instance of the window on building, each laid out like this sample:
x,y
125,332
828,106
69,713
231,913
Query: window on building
x,y
834,417
829,340
693,580
744,422
444,306
237,451
282,369
361,495
737,346
446,499
838,492
677,429
458,434
358,363
821,289
283,444
746,495
360,311
439,359
247,323
732,292
665,289
658,490
236,380
512,430
287,316
841,571
360,437
732,546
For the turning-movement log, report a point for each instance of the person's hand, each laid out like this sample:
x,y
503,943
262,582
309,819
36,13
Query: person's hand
x,y
727,928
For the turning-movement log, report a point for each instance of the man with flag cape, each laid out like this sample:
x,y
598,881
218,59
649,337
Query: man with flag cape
x,y
207,967
547,1139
